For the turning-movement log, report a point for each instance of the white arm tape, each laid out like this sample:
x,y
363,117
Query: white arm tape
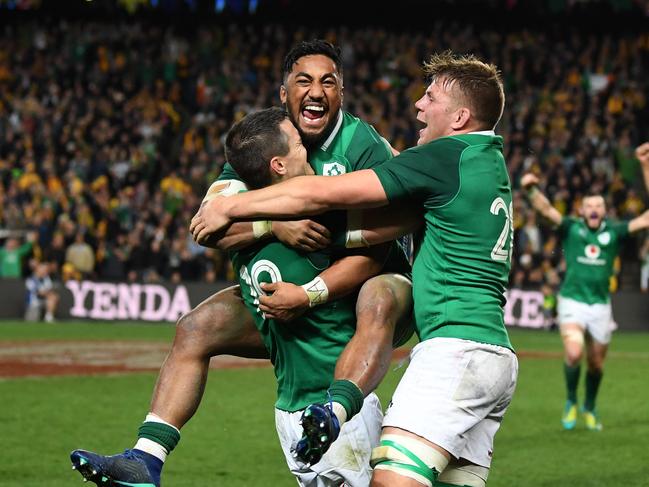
x,y
317,292
262,228
226,187
354,236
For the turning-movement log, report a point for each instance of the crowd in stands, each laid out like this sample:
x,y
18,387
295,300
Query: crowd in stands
x,y
110,133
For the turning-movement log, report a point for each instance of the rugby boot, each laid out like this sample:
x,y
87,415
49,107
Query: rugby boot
x,y
592,420
133,468
321,428
569,417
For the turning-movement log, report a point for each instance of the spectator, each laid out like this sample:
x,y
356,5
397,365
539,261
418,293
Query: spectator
x,y
41,295
12,255
81,255
644,270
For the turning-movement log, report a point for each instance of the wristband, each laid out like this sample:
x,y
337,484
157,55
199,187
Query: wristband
x,y
261,229
354,237
316,291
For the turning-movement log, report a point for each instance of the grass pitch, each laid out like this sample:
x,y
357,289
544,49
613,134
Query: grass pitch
x,y
231,440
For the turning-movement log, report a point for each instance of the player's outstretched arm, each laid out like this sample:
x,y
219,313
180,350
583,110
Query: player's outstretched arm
x,y
286,301
642,153
305,235
639,223
304,195
539,201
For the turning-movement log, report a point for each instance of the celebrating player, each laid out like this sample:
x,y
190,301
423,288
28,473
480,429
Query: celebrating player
x,y
449,404
590,245
336,143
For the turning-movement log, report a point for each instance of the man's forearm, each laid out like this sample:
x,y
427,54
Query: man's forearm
x,y
308,195
239,236
542,204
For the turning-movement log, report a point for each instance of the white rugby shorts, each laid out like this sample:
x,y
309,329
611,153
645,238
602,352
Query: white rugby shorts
x,y
347,462
454,393
596,319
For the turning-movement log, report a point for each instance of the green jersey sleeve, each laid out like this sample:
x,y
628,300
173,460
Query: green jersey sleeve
x,y
228,173
566,223
621,227
435,183
367,149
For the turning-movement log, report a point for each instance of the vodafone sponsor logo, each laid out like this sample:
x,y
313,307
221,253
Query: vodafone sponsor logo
x,y
592,253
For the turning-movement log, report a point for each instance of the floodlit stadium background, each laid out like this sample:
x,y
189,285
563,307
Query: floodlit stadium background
x,y
112,117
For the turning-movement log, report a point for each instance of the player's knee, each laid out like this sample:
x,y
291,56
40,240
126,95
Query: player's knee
x,y
408,457
377,304
199,333
573,342
595,365
468,475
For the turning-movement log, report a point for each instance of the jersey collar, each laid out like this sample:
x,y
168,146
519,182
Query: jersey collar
x,y
333,133
484,132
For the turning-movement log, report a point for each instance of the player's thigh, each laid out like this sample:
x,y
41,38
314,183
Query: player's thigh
x,y
387,300
222,324
595,353
461,472
449,387
600,323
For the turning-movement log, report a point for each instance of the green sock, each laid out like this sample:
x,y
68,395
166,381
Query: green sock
x,y
348,394
161,433
593,379
572,380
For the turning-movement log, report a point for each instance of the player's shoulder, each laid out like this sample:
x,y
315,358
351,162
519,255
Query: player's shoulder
x,y
615,226
356,127
450,148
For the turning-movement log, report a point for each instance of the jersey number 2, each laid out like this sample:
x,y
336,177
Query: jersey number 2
x,y
498,253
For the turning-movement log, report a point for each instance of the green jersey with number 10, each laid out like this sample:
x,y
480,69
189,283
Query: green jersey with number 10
x,y
304,351
462,262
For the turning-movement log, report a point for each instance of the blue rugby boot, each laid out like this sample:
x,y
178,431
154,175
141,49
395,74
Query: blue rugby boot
x,y
321,428
133,468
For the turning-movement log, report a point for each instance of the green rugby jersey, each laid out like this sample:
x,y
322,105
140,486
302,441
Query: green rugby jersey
x,y
462,261
352,145
589,255
303,352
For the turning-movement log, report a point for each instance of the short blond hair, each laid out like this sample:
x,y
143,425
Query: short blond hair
x,y
479,83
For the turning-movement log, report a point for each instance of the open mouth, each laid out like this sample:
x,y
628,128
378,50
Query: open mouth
x,y
313,113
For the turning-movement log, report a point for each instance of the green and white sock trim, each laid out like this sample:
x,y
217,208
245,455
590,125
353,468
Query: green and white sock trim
x,y
157,437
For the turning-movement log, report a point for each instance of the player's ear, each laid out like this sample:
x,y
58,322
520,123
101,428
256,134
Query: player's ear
x,y
277,166
282,94
461,118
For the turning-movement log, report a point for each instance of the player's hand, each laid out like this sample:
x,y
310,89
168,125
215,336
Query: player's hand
x,y
284,301
208,221
529,180
642,153
305,235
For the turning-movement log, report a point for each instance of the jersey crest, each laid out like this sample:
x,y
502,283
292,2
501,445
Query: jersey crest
x,y
333,169
604,238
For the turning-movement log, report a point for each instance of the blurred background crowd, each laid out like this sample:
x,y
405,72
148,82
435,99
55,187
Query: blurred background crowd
x,y
111,132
